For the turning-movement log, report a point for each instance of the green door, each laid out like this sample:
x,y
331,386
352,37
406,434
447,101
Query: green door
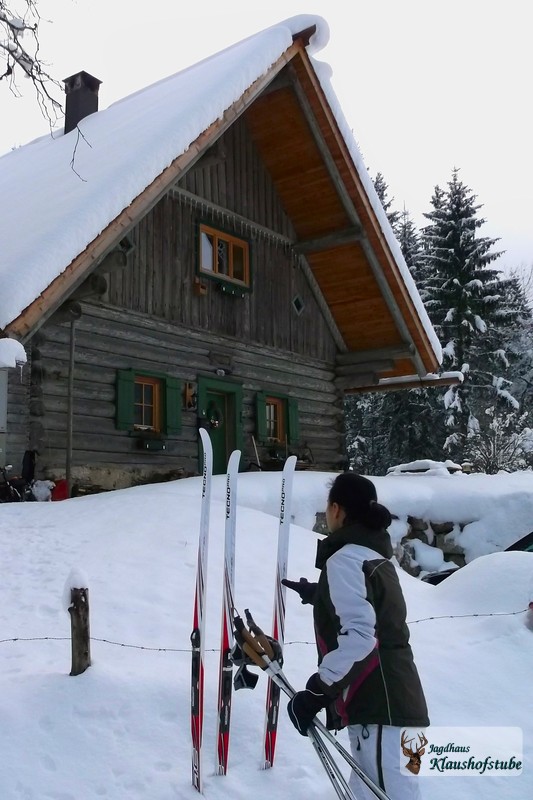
x,y
220,413
219,429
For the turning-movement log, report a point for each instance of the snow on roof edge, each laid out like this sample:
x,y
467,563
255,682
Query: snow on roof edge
x,y
431,377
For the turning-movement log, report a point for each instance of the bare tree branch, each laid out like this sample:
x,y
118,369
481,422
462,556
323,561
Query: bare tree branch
x,y
20,56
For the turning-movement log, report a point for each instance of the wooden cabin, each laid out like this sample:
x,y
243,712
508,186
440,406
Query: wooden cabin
x,y
245,287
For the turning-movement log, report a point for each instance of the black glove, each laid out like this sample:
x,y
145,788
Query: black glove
x,y
305,705
305,589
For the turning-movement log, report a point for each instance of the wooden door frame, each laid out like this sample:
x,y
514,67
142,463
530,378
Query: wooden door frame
x,y
225,386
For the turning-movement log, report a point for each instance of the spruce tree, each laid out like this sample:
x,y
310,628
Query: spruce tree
x,y
415,428
382,191
468,307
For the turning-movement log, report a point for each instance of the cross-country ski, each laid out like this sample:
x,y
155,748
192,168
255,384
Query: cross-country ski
x,y
198,625
278,623
225,675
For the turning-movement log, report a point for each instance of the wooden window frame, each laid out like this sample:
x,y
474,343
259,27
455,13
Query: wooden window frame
x,y
280,427
169,407
291,432
148,380
230,240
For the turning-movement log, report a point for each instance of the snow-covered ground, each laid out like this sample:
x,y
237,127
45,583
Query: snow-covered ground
x,y
121,730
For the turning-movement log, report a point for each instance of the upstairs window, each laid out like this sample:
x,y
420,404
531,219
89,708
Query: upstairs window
x,y
224,256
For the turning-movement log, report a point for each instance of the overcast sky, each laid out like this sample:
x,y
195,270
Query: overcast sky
x,y
425,85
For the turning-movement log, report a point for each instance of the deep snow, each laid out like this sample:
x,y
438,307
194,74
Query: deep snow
x,y
121,730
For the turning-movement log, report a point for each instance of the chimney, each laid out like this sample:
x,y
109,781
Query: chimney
x,y
81,92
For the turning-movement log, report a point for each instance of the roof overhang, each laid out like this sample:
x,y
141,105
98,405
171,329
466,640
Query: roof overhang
x,y
338,235
429,381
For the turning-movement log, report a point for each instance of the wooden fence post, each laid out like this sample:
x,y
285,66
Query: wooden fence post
x,y
79,628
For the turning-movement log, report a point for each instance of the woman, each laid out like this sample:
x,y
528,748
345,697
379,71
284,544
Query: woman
x,y
366,677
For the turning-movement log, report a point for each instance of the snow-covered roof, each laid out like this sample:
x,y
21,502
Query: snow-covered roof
x,y
11,353
60,192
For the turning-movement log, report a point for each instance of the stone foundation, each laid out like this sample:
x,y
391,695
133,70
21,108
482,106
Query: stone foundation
x,y
436,534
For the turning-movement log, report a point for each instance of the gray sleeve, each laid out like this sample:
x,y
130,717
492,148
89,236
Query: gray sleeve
x,y
356,640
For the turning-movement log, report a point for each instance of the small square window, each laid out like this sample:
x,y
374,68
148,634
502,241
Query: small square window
x,y
298,304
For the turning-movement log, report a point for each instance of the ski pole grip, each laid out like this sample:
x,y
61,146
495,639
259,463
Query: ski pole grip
x,y
254,655
259,635
265,644
251,641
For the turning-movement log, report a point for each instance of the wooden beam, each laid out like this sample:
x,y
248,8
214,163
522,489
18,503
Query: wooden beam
x,y
324,150
331,240
361,356
355,382
262,230
51,298
305,35
407,382
352,214
213,156
350,370
391,264
281,81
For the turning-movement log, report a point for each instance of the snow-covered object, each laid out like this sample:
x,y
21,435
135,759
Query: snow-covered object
x,y
76,580
42,490
88,180
425,466
12,352
430,559
120,731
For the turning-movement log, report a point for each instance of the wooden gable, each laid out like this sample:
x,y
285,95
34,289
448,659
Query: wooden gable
x,y
337,230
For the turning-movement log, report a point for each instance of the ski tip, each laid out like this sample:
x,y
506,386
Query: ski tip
x,y
206,440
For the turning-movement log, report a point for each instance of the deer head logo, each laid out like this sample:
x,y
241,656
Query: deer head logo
x,y
414,756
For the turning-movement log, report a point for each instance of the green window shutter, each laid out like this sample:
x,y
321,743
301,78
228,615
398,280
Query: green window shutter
x,y
294,421
124,402
172,425
261,420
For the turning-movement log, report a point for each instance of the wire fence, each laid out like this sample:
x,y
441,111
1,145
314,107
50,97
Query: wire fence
x,y
216,649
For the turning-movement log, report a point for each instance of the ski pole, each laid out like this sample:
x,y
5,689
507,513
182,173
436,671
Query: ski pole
x,y
273,668
337,779
254,645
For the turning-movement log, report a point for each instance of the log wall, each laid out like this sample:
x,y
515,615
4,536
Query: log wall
x,y
154,319
18,414
160,278
108,339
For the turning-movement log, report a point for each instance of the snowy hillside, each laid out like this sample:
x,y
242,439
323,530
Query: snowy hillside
x,y
121,730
